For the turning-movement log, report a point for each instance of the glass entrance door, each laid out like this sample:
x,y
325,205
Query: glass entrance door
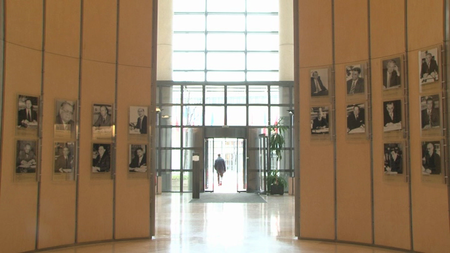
x,y
232,150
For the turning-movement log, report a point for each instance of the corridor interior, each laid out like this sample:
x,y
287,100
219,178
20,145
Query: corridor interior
x,y
182,226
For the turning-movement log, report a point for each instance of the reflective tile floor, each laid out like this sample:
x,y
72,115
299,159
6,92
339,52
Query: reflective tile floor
x,y
222,227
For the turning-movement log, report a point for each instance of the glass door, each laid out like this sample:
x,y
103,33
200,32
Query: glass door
x,y
262,162
209,165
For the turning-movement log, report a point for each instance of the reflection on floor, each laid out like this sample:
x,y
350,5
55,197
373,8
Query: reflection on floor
x,y
223,227
229,182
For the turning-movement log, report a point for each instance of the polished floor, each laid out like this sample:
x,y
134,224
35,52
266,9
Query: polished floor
x,y
222,227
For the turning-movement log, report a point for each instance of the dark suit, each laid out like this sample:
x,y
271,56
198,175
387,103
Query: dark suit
x,y
395,165
434,117
63,163
353,122
428,69
102,162
359,86
323,91
142,124
60,124
135,161
394,79
22,115
432,163
395,119
319,123
103,121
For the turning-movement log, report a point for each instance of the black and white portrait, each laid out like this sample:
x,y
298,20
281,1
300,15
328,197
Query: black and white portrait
x,y
64,115
431,157
137,158
101,158
319,82
392,115
138,120
393,158
64,157
26,156
429,66
356,122
430,113
320,120
355,79
392,73
27,115
102,115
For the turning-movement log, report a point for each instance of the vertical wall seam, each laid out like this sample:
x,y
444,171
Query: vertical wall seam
x,y
333,52
297,199
406,97
78,111
447,76
41,110
369,88
114,143
152,124
2,85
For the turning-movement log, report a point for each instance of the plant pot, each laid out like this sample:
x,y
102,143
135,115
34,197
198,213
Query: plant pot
x,y
277,189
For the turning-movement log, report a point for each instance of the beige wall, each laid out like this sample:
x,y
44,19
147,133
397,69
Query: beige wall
x,y
341,197
369,207
114,68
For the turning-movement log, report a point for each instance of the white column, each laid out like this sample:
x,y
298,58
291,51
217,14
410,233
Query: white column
x,y
164,44
286,34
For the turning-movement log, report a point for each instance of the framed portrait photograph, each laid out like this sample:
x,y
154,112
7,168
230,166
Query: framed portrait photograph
x,y
27,112
320,120
393,158
356,121
101,157
102,121
319,82
64,118
354,77
429,66
138,120
26,156
431,158
64,153
430,112
392,77
137,158
392,115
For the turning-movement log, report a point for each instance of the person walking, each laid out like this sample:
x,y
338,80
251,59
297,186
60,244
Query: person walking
x,y
220,167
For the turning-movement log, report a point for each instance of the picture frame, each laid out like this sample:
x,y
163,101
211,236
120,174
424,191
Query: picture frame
x,y
27,112
320,82
392,73
64,160
26,157
65,118
356,118
138,120
392,115
137,158
393,158
102,121
432,163
320,120
430,112
355,79
429,64
101,157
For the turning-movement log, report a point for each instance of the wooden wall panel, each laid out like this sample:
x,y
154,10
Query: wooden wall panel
x,y
18,203
99,30
316,173
315,32
135,33
95,210
132,192
57,207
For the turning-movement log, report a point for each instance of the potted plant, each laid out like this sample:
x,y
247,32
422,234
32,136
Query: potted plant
x,y
275,183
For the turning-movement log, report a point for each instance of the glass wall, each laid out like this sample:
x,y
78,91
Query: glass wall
x,y
191,107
